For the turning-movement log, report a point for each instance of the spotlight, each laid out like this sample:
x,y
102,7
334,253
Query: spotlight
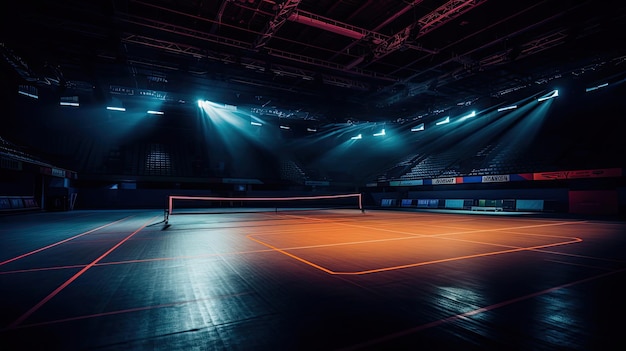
x,y
552,94
443,121
512,107
418,128
596,87
360,136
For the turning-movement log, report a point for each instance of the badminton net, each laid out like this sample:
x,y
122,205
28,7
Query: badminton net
x,y
180,204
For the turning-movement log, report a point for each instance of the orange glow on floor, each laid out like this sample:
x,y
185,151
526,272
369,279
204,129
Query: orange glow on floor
x,y
353,249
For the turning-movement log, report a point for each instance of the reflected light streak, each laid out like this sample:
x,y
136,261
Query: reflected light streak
x,y
458,300
556,324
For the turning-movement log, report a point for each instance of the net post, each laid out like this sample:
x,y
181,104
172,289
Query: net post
x,y
168,211
361,203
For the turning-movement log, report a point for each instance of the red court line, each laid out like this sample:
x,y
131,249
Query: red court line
x,y
61,242
128,310
74,277
477,311
41,269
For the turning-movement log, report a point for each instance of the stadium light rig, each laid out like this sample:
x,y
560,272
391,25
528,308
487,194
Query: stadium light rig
x,y
418,128
360,136
506,108
551,95
596,87
471,114
381,133
443,121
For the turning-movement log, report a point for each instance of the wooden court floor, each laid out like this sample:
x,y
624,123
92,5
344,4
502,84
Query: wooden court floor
x,y
323,280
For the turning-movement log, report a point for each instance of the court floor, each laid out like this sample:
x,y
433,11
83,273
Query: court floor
x,y
310,280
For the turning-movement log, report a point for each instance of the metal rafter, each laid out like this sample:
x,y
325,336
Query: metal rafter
x,y
440,16
285,10
146,22
333,26
330,65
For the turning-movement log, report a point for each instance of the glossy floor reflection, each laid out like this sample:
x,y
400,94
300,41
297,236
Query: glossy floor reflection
x,y
325,280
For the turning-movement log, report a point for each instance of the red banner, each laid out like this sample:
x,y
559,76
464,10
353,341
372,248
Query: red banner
x,y
587,173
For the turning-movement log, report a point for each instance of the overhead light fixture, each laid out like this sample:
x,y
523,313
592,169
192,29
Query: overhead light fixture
x,y
469,115
113,108
552,94
28,90
360,136
69,101
285,127
256,123
381,133
418,128
443,121
596,87
511,107
309,129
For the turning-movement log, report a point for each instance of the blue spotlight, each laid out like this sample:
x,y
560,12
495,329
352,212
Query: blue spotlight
x,y
418,128
443,121
552,94
506,108
360,136
596,87
471,114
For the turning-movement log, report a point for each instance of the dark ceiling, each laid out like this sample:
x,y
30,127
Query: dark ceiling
x,y
320,59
